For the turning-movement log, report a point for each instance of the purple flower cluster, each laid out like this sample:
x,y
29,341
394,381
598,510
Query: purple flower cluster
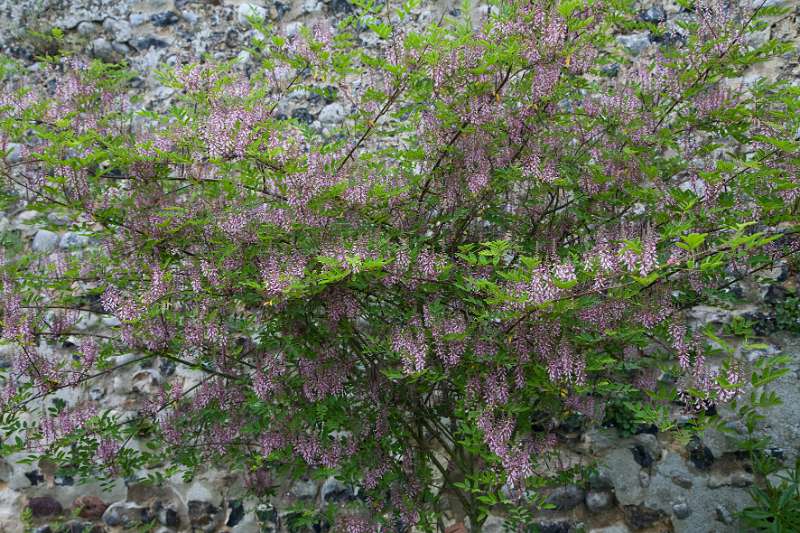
x,y
411,344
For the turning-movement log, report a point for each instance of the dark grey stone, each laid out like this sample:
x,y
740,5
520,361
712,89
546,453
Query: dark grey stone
x,y
76,526
281,9
35,477
600,481
775,294
71,240
171,518
147,42
235,512
610,71
554,527
653,15
167,367
669,38
167,18
232,38
635,43
341,7
566,498
700,455
301,114
642,456
96,394
334,491
202,515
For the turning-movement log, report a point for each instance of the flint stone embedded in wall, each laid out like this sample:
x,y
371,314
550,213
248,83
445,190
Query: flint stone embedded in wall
x,y
635,43
599,500
44,241
44,506
126,514
654,14
245,12
89,507
566,498
642,476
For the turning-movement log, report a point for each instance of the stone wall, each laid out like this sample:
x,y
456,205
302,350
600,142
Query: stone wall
x,y
647,482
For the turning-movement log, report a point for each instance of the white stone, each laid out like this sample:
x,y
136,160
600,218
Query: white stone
x,y
102,49
427,17
298,94
14,152
10,505
696,186
137,19
86,321
293,28
635,43
58,219
198,491
777,478
146,382
111,321
121,48
120,30
701,315
162,93
369,39
120,385
26,216
485,10
312,6
758,38
753,354
751,79
247,11
45,241
125,514
124,358
88,29
6,471
332,113
191,17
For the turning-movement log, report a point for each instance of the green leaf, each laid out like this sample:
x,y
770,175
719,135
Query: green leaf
x,y
692,241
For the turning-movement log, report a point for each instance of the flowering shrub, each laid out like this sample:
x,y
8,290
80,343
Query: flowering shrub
x,y
497,237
